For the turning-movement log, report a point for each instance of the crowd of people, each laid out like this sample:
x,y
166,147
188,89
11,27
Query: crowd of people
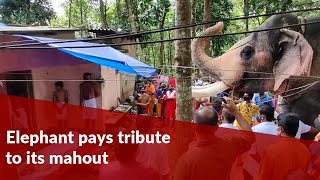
x,y
160,102
215,154
258,112
229,151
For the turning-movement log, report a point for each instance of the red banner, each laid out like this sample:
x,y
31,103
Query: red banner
x,y
44,140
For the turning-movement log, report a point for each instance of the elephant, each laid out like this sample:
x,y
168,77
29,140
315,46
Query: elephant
x,y
285,61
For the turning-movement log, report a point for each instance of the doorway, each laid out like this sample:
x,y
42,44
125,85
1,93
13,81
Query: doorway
x,y
19,83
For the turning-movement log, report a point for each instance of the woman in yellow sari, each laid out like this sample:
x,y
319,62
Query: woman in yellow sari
x,y
150,90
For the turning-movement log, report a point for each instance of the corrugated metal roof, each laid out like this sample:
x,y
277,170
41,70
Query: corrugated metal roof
x,y
110,32
15,29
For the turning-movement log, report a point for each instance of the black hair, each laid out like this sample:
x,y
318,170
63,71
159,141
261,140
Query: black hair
x,y
202,118
268,111
86,74
59,84
289,122
228,116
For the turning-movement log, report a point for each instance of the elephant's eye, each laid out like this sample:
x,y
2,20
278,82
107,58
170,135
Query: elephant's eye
x,y
247,53
282,47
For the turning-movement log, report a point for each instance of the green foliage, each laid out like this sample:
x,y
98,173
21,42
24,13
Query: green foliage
x,y
117,16
220,10
26,12
149,15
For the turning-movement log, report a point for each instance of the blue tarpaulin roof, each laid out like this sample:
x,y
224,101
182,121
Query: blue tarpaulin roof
x,y
3,25
105,56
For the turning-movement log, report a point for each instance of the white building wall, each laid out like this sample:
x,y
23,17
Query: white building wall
x,y
116,85
43,89
110,88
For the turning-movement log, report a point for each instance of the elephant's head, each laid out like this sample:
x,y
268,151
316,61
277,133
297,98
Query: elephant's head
x,y
263,61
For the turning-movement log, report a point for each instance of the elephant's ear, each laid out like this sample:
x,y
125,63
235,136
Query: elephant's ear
x,y
296,57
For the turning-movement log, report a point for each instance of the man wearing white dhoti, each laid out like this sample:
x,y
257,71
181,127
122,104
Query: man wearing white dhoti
x,y
89,91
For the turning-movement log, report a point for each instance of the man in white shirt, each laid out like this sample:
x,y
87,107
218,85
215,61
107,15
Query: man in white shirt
x,y
227,120
267,125
303,128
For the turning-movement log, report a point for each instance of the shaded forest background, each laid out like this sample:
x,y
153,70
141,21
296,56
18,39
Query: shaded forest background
x,y
144,15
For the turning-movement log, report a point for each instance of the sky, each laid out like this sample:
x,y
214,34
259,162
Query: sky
x,y
57,6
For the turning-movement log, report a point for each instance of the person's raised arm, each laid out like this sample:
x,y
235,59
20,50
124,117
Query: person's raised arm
x,y
137,103
233,109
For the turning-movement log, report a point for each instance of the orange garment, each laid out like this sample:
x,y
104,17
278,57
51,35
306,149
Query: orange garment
x,y
208,159
255,122
160,106
151,91
143,99
282,159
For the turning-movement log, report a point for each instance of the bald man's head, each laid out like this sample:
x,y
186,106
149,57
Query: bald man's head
x,y
207,116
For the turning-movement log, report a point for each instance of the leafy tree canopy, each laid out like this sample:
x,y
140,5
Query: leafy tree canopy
x,y
26,12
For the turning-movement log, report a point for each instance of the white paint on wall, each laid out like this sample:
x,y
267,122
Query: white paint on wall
x,y
43,89
116,85
110,88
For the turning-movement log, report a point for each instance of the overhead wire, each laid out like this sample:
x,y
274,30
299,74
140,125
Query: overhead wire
x,y
167,29
158,41
199,37
263,34
252,72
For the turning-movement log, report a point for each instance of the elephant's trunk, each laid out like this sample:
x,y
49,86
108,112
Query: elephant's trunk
x,y
199,55
225,68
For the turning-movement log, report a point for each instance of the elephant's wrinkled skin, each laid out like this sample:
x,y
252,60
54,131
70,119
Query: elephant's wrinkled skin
x,y
278,60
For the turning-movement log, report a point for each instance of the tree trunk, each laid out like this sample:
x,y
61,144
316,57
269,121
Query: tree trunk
x,y
118,6
206,13
161,50
133,27
170,53
193,16
103,18
183,58
246,13
70,11
154,57
81,13
130,16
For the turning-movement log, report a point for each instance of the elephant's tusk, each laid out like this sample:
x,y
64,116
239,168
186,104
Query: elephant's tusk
x,y
203,87
209,90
